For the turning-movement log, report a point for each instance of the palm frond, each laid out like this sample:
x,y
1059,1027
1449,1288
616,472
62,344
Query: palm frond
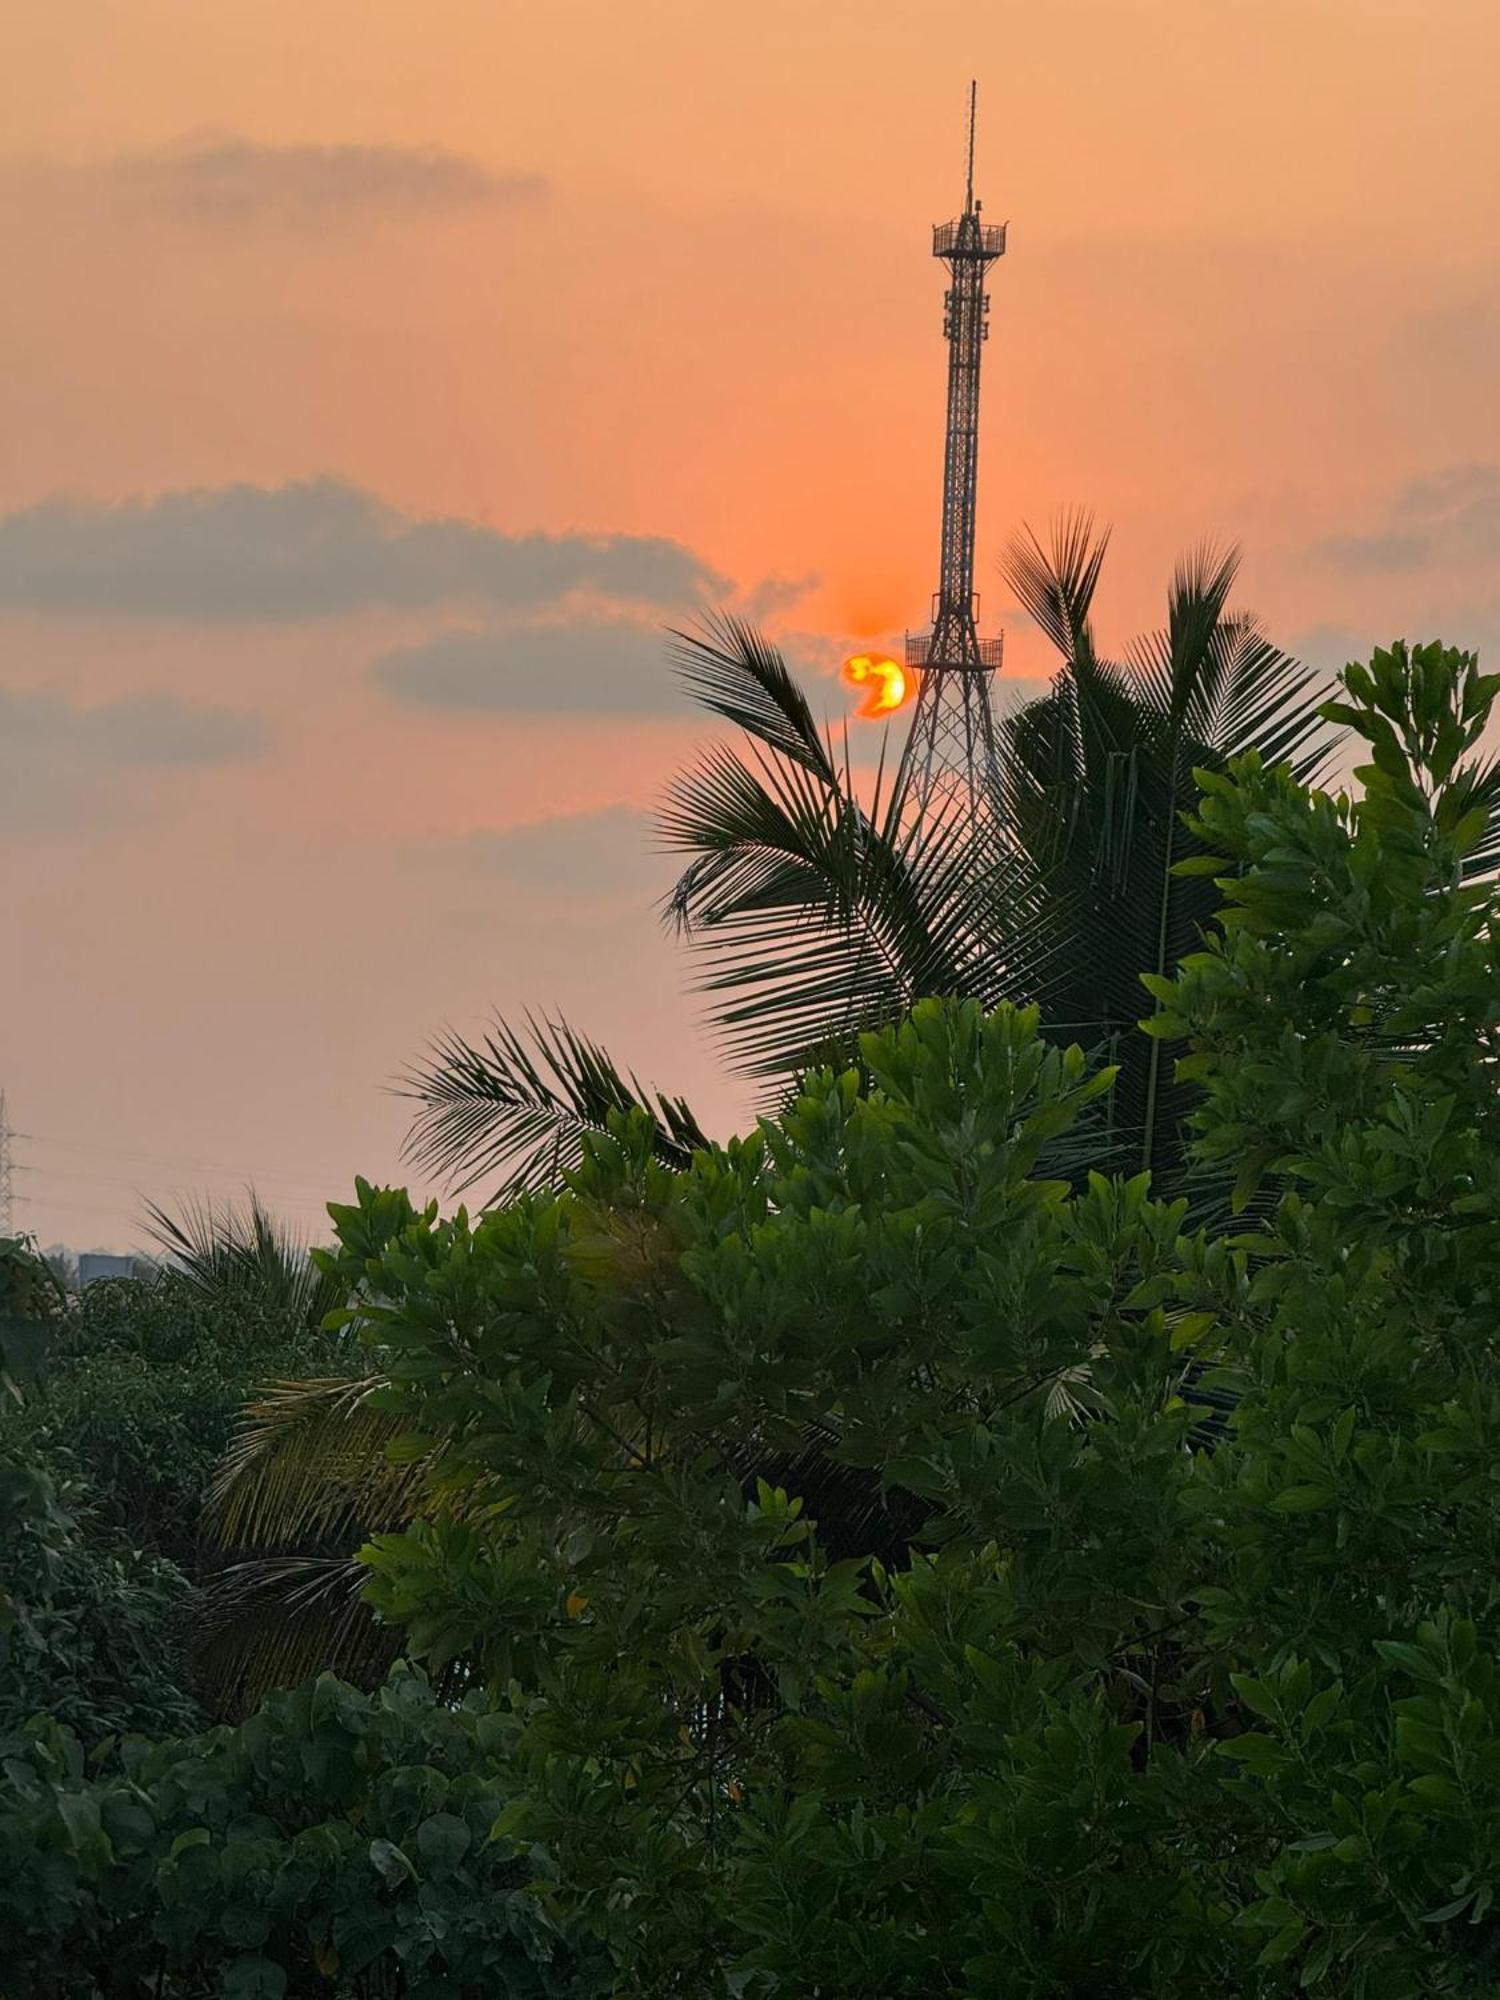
x,y
270,1624
821,914
733,671
1482,791
1197,604
514,1107
244,1255
311,1460
1264,700
1098,775
1056,586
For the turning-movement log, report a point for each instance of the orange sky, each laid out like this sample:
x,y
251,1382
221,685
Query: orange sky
x,y
655,273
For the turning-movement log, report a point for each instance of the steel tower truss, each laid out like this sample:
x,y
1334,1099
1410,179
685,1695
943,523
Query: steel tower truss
x,y
949,763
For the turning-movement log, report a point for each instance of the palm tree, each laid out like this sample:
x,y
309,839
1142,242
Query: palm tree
x,y
306,1478
243,1256
817,911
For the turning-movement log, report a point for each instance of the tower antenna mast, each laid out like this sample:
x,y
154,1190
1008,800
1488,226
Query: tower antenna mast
x,y
949,764
969,177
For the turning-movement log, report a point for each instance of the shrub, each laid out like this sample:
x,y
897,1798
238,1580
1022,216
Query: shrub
x,y
87,1626
336,1843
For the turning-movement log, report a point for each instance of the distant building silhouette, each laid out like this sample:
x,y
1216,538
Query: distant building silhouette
x,y
96,1264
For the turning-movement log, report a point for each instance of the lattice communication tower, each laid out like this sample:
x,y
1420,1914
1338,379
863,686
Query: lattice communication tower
x,y
949,764
7,1173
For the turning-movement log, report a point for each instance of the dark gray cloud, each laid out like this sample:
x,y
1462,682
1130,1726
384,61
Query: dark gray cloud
x,y
310,548
607,665
1395,550
143,729
59,762
1473,626
230,182
1452,516
777,594
1330,648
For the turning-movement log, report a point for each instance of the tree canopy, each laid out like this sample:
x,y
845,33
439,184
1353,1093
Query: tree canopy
x,y
870,1563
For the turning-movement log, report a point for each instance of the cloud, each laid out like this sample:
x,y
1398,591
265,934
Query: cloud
x,y
310,548
1376,552
606,853
59,762
607,665
145,729
777,594
1451,516
231,182
1330,648
1457,338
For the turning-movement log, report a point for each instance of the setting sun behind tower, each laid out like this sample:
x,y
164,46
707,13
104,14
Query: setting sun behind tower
x,y
885,683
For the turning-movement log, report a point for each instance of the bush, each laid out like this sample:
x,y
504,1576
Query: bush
x,y
87,1625
107,1456
147,1382
337,1844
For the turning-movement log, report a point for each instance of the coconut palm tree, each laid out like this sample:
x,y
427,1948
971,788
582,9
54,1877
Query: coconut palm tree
x,y
236,1255
817,908
284,1600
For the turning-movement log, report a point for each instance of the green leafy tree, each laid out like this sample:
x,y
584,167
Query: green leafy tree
x,y
32,1303
1122,1616
1089,1691
89,1627
148,1376
85,1619
1343,1028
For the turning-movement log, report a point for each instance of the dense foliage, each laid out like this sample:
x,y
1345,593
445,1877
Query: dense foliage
x,y
106,1455
89,1626
1133,1716
31,1303
333,1835
881,1568
146,1381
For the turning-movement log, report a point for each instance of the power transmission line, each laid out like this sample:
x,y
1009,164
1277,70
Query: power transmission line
x,y
181,1166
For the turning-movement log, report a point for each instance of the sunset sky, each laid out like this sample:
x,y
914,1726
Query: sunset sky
x,y
379,377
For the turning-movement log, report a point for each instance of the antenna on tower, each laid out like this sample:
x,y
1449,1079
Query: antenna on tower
x,y
969,182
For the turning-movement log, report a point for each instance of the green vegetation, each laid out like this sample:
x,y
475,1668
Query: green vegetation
x,y
882,1558
333,1835
131,1396
31,1304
